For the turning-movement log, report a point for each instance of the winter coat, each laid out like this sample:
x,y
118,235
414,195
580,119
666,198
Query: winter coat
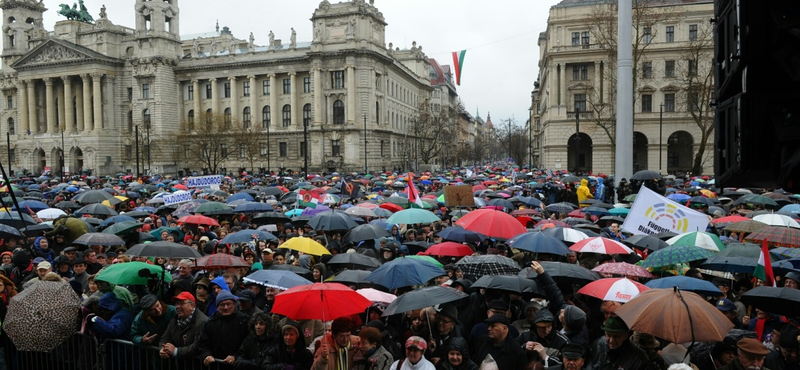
x,y
222,336
143,324
48,254
254,347
380,360
119,325
185,339
277,355
583,191
625,357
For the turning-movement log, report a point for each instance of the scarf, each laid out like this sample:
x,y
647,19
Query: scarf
x,y
760,328
182,323
343,358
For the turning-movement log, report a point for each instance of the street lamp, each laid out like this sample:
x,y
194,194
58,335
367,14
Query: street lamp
x,y
305,144
268,166
62,155
365,143
138,173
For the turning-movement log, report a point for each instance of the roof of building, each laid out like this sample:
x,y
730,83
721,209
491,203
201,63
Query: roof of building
x,y
489,121
568,3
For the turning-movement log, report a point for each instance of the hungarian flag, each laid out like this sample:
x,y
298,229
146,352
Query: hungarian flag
x,y
413,194
458,64
308,199
764,267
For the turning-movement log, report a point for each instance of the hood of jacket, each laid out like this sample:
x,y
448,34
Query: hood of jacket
x,y
110,302
220,281
584,182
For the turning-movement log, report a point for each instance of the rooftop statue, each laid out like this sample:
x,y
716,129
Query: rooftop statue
x,y
73,13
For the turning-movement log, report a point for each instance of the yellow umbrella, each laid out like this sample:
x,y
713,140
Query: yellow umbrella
x,y
114,201
305,245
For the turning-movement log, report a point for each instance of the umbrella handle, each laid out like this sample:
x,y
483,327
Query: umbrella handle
x,y
691,322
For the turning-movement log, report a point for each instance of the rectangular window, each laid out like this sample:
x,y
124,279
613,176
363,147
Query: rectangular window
x,y
128,152
242,151
576,38
10,102
669,68
223,150
302,149
584,72
263,149
187,151
145,91
670,34
306,85
282,152
337,80
226,92
190,92
287,86
669,102
580,102
246,88
382,148
693,101
130,94
647,103
265,87
647,69
647,35
336,150
585,39
692,67
576,72
692,32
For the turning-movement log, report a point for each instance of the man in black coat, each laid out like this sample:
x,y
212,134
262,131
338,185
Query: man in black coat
x,y
615,351
573,357
786,357
507,354
223,332
184,331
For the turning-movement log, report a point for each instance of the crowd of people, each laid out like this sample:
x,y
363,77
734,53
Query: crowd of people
x,y
217,317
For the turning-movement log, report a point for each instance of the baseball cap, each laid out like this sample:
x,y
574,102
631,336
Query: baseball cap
x,y
417,342
725,305
44,265
184,296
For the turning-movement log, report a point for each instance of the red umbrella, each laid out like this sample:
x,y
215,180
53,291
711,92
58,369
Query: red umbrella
x,y
319,301
524,212
448,249
729,219
491,223
180,187
613,289
198,220
391,207
576,213
554,222
221,260
624,269
479,188
600,245
524,220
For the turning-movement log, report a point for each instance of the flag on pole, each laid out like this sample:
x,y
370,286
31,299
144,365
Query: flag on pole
x,y
308,199
763,269
413,194
458,62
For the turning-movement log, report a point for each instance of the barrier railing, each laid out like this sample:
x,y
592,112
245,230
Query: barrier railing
x,y
84,352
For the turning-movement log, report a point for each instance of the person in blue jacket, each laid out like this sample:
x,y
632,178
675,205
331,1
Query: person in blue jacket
x,y
217,285
113,321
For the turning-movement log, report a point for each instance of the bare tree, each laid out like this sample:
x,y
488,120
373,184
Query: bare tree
x,y
209,141
513,141
248,143
433,127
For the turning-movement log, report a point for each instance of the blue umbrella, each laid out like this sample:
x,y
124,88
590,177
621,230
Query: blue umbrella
x,y
596,211
791,208
460,234
246,235
537,242
114,219
279,279
145,209
238,196
691,284
403,272
293,213
786,266
679,197
253,207
34,205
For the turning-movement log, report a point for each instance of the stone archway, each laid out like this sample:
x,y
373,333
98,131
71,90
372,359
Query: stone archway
x,y
579,153
57,161
76,165
639,151
680,152
39,160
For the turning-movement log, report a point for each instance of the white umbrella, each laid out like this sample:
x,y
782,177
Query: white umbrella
x,y
776,219
50,213
360,212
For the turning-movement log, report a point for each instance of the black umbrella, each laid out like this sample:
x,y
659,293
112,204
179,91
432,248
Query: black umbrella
x,y
491,264
501,202
96,209
417,247
137,214
270,218
332,221
9,232
646,175
570,178
512,284
104,239
93,196
706,201
424,297
781,301
67,205
560,208
272,190
36,230
528,201
12,219
645,242
300,221
356,277
164,249
364,232
353,261
564,272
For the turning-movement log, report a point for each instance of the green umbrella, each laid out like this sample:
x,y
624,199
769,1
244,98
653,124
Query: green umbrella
x,y
157,232
129,273
630,198
123,228
619,211
213,208
675,254
413,216
427,259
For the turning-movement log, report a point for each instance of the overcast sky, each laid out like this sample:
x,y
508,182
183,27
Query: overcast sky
x,y
500,36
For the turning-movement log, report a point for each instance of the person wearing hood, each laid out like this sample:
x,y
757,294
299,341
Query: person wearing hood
x,y
600,190
42,249
22,270
584,192
113,321
254,347
223,333
216,286
573,322
457,357
371,354
288,352
542,342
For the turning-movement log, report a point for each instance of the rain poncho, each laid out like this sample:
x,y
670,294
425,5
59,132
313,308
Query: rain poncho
x,y
583,191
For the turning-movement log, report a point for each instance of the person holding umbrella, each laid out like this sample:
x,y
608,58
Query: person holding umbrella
x,y
750,356
337,350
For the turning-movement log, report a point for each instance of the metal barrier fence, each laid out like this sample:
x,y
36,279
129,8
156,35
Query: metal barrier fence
x,y
84,352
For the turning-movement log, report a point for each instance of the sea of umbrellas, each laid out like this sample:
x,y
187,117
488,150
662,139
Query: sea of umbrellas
x,y
512,222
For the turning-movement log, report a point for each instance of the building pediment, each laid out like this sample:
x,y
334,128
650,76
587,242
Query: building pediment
x,y
647,89
670,88
580,86
59,52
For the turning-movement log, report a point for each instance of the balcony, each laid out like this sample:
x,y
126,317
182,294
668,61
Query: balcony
x,y
584,115
563,48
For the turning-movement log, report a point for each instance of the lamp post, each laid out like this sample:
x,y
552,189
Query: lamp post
x,y
660,134
268,166
8,148
365,143
62,155
147,129
305,144
136,133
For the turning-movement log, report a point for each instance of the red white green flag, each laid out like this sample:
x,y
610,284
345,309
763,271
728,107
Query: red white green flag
x,y
763,269
458,62
308,199
413,195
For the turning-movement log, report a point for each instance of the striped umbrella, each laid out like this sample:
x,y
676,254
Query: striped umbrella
x,y
613,289
600,245
700,239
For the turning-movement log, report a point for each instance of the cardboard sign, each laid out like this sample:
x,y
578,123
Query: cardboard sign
x,y
460,195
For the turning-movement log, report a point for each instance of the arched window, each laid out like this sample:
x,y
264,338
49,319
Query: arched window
x,y
246,117
287,115
227,117
338,112
265,117
146,118
307,115
11,129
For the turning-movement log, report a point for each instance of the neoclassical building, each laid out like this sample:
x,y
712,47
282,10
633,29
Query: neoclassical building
x,y
575,95
88,88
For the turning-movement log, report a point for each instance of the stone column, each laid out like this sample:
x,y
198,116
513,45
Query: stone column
x,y
50,105
562,86
254,110
87,103
351,94
293,100
69,112
196,96
235,114
274,110
24,123
33,120
79,106
214,97
597,83
97,100
318,107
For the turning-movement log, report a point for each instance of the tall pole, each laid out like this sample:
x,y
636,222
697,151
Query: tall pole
x,y
660,134
365,143
8,148
623,166
149,169
268,166
305,143
138,173
62,155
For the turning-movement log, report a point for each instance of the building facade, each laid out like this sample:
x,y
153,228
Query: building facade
x,y
574,99
105,94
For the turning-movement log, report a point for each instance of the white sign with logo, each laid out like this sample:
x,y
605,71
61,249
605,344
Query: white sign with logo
x,y
653,214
